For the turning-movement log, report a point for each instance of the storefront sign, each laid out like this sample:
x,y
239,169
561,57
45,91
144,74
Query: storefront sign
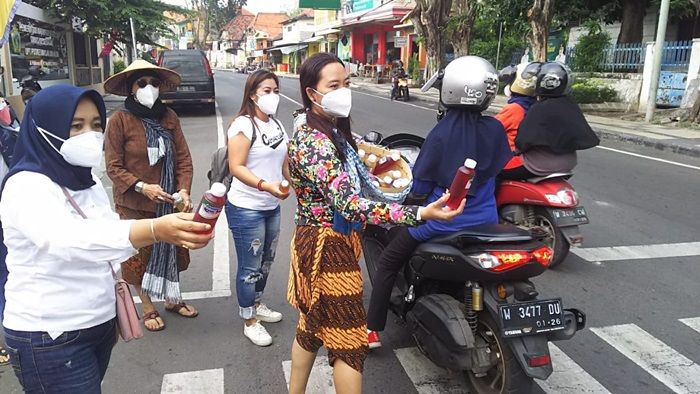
x,y
400,42
332,37
358,7
40,46
320,4
362,5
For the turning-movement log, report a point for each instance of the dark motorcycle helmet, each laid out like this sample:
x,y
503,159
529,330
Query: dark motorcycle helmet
x,y
397,63
507,75
554,79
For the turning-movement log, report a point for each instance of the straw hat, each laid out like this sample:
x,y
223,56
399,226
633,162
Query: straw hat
x,y
119,83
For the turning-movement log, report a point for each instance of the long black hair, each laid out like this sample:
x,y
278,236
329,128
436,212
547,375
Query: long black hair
x,y
309,76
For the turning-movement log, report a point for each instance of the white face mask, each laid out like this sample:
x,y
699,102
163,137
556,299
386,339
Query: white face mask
x,y
268,103
507,91
147,96
336,102
83,150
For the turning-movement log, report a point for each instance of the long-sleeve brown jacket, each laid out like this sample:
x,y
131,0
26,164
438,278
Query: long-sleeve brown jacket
x,y
127,158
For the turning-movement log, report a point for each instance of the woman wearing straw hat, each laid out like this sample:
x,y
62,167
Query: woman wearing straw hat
x,y
148,160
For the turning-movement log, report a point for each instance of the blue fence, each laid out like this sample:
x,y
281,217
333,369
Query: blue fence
x,y
630,57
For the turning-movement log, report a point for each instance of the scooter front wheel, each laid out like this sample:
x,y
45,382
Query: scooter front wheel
x,y
506,376
555,239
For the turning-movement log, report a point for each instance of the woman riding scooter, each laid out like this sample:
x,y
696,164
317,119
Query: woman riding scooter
x,y
467,87
554,127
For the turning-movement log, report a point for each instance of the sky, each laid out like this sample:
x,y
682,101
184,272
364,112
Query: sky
x,y
256,6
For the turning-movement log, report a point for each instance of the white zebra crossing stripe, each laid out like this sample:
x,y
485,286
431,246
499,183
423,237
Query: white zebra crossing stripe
x,y
320,380
636,252
427,377
671,368
568,377
209,381
693,322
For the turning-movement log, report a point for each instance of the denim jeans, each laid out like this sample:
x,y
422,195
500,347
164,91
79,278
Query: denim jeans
x,y
255,234
75,362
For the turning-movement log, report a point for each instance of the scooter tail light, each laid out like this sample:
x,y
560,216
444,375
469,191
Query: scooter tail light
x,y
487,261
510,259
539,361
543,255
568,197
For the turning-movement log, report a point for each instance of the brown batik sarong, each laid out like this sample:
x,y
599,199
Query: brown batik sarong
x,y
134,268
325,286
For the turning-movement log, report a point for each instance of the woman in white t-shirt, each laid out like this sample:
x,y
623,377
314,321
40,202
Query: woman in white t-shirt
x,y
257,156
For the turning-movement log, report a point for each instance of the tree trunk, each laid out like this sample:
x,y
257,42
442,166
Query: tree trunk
x,y
632,28
429,18
462,24
540,17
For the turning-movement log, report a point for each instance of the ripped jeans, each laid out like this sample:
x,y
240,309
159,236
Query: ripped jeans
x,y
255,234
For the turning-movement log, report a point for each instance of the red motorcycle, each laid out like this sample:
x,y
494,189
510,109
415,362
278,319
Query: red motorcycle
x,y
548,207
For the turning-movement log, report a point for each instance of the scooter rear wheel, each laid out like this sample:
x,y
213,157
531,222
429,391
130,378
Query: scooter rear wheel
x,y
507,376
555,238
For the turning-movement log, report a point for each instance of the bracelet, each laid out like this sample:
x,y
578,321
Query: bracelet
x,y
260,182
153,230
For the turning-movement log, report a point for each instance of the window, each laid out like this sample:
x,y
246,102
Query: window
x,y
289,28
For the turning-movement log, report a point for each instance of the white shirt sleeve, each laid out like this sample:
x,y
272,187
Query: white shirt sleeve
x,y
241,124
33,207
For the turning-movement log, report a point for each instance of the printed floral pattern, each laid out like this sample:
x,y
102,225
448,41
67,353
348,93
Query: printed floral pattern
x,y
323,186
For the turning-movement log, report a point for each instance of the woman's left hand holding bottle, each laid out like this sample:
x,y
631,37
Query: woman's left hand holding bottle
x,y
187,200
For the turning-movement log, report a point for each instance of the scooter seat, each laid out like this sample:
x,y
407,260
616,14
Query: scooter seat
x,y
565,175
485,233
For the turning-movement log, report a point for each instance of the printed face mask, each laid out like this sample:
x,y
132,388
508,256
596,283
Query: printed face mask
x,y
337,102
268,103
83,150
147,96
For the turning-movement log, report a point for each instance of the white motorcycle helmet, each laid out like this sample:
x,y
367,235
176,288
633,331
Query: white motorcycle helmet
x,y
468,82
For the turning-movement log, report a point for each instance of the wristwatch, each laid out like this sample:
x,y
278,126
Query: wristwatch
x,y
139,186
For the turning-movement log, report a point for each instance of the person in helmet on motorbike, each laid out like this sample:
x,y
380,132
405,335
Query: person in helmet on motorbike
x,y
397,72
467,87
554,127
521,95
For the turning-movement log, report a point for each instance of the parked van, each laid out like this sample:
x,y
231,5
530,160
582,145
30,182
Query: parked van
x,y
197,79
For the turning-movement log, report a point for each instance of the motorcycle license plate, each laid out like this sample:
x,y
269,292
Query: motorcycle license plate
x,y
530,318
568,217
185,89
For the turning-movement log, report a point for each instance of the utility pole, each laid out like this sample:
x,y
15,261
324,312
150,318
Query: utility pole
x,y
133,38
498,49
658,51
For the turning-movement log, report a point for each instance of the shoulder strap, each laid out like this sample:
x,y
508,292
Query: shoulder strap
x,y
81,213
252,123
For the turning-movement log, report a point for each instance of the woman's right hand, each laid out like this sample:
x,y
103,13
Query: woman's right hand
x,y
437,210
274,188
179,229
156,193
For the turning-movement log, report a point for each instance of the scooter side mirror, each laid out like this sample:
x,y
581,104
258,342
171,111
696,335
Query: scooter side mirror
x,y
373,137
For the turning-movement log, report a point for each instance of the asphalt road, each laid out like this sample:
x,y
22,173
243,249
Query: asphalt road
x,y
635,343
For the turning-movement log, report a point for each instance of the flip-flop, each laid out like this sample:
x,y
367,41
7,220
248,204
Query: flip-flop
x,y
178,307
152,315
4,354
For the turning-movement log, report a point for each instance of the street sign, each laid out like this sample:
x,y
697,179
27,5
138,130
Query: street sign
x,y
320,4
400,42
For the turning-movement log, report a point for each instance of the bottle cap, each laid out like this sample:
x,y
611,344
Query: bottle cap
x,y
218,189
470,163
177,197
284,183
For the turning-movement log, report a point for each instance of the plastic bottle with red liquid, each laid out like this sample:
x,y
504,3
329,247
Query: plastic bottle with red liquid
x,y
211,205
461,183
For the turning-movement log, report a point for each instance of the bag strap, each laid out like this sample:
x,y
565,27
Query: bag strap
x,y
81,213
255,135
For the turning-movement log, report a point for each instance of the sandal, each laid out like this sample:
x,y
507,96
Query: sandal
x,y
152,315
177,308
4,356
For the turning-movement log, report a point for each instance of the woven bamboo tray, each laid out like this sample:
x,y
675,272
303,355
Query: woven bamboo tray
x,y
401,165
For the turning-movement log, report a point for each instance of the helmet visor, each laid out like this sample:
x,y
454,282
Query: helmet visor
x,y
531,70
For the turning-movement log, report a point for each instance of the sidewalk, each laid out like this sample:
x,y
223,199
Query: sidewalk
x,y
676,139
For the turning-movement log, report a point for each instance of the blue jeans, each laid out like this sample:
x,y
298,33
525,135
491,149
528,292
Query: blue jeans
x,y
75,362
255,234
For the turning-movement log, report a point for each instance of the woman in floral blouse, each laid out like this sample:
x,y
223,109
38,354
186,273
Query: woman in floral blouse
x,y
325,281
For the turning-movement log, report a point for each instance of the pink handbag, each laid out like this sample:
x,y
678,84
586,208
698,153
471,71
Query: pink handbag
x,y
128,320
